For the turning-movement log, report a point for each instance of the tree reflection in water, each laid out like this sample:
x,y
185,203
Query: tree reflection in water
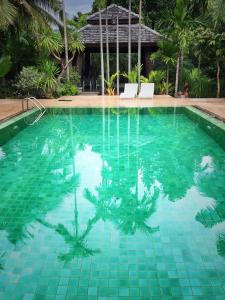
x,y
139,165
211,184
2,255
118,199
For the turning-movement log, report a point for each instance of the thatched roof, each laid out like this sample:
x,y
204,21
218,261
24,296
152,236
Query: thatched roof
x,y
113,11
90,33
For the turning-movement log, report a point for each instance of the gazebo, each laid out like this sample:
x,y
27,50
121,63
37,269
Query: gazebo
x,y
90,35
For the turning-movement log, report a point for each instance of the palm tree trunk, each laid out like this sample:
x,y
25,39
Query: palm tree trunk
x,y
199,62
139,44
107,45
181,69
117,56
102,55
65,41
167,80
218,78
129,39
177,75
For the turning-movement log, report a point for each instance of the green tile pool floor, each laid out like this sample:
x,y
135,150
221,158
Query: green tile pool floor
x,y
112,205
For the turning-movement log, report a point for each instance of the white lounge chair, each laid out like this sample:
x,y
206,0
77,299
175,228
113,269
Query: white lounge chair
x,y
130,90
147,90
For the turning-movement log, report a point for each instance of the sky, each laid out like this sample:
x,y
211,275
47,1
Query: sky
x,y
73,6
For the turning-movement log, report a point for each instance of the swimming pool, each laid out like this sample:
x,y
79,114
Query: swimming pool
x,y
113,204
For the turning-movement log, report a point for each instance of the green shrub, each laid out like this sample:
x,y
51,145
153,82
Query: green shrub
x,y
74,76
36,82
67,89
27,83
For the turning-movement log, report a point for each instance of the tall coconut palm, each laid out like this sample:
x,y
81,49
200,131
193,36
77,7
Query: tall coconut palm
x,y
139,44
107,45
129,38
65,41
32,14
117,54
101,4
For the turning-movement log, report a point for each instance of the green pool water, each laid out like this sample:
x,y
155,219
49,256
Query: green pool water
x,y
112,205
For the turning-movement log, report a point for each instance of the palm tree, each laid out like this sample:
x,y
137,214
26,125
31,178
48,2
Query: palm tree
x,y
117,54
33,14
166,54
76,241
129,38
65,41
107,45
101,5
139,44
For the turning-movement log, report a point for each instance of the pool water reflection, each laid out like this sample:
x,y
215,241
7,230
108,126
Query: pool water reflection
x,y
112,204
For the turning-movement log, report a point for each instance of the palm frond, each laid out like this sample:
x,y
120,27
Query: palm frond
x,y
8,14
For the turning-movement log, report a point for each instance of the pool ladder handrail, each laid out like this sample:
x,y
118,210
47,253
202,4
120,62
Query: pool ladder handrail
x,y
39,106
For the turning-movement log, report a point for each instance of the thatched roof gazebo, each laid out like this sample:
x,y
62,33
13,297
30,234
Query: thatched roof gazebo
x,y
90,34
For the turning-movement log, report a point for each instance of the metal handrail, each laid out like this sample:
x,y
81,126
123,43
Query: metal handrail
x,y
38,104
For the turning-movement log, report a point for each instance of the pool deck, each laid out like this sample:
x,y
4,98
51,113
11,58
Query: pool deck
x,y
213,106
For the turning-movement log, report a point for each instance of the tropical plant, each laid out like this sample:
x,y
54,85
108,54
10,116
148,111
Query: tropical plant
x,y
157,77
212,40
198,82
179,26
132,76
110,84
5,65
48,77
165,88
52,43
